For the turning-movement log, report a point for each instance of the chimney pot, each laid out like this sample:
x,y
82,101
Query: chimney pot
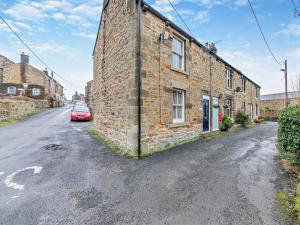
x,y
24,58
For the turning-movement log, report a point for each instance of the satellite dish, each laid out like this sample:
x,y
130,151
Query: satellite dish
x,y
238,89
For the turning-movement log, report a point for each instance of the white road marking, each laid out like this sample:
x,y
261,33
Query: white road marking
x,y
1,173
16,196
9,179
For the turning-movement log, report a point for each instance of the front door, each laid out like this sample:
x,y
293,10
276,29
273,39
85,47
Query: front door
x,y
215,123
206,112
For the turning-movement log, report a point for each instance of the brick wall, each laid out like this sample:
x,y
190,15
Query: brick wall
x,y
114,75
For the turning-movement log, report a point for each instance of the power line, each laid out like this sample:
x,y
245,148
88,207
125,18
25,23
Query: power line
x,y
30,49
294,4
181,18
262,33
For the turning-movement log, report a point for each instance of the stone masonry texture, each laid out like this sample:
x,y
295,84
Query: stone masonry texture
x,y
115,82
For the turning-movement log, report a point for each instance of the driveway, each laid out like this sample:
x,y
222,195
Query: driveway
x,y
53,172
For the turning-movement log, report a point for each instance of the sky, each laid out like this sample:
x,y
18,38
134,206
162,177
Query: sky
x,y
63,34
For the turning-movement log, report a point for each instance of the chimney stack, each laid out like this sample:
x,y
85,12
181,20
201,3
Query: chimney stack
x,y
46,71
212,47
24,58
52,75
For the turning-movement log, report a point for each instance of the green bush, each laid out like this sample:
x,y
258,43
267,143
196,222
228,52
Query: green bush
x,y
289,131
227,123
242,118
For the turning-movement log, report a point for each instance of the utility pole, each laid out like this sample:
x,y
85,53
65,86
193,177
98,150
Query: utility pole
x,y
1,80
285,70
286,84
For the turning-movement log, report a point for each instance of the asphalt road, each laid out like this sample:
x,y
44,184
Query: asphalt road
x,y
53,172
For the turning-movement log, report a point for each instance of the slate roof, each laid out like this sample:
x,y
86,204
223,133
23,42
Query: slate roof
x,y
279,96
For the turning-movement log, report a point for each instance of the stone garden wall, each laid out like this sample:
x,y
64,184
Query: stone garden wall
x,y
16,108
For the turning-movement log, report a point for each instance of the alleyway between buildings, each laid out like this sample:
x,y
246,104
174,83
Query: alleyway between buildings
x,y
53,172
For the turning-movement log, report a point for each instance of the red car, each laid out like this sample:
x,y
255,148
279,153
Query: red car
x,y
81,113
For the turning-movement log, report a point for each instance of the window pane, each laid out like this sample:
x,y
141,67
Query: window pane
x,y
179,112
174,112
180,99
174,97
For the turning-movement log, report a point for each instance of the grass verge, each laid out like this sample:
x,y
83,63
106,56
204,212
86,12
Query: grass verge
x,y
116,148
289,201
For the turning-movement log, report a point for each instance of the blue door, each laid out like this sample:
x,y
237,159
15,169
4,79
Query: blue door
x,y
206,113
215,123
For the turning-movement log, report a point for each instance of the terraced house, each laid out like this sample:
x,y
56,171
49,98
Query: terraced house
x,y
155,85
23,79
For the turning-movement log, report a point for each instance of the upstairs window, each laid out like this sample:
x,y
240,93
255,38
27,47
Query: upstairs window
x,y
178,106
244,85
257,92
12,90
178,53
229,76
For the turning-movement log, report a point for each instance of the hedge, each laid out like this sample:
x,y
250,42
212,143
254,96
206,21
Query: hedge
x,y
289,131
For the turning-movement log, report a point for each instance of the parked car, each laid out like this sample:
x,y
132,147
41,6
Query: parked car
x,y
81,113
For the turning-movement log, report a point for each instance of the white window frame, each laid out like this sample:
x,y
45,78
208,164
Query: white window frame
x,y
244,84
229,78
256,92
177,104
10,92
229,111
181,54
36,91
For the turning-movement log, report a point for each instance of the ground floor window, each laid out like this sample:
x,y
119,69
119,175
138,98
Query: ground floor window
x,y
36,91
256,109
11,90
228,107
178,106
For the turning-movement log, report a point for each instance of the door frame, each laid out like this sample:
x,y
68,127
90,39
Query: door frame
x,y
206,97
213,113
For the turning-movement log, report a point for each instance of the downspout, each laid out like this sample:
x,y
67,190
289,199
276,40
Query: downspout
x,y
139,64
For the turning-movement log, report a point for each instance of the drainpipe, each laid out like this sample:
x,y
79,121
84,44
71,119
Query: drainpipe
x,y
139,64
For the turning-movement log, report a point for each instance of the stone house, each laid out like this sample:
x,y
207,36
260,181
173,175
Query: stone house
x,y
277,101
88,94
155,85
22,78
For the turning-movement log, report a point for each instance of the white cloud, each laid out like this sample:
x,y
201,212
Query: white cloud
x,y
24,11
86,35
58,16
202,17
290,29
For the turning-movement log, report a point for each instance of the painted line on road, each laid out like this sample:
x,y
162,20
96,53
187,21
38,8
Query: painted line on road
x,y
9,179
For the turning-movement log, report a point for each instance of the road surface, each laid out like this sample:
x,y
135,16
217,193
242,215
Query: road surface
x,y
53,172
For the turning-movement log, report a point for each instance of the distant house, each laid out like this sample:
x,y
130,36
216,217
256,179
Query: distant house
x,y
23,79
88,94
277,101
78,97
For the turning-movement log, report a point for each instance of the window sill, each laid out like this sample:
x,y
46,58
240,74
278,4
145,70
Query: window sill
x,y
180,124
180,71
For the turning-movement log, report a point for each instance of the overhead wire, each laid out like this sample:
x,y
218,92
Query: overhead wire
x,y
31,50
262,34
182,19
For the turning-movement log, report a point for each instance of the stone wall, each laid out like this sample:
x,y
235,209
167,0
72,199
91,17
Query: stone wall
x,y
203,75
114,87
16,108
